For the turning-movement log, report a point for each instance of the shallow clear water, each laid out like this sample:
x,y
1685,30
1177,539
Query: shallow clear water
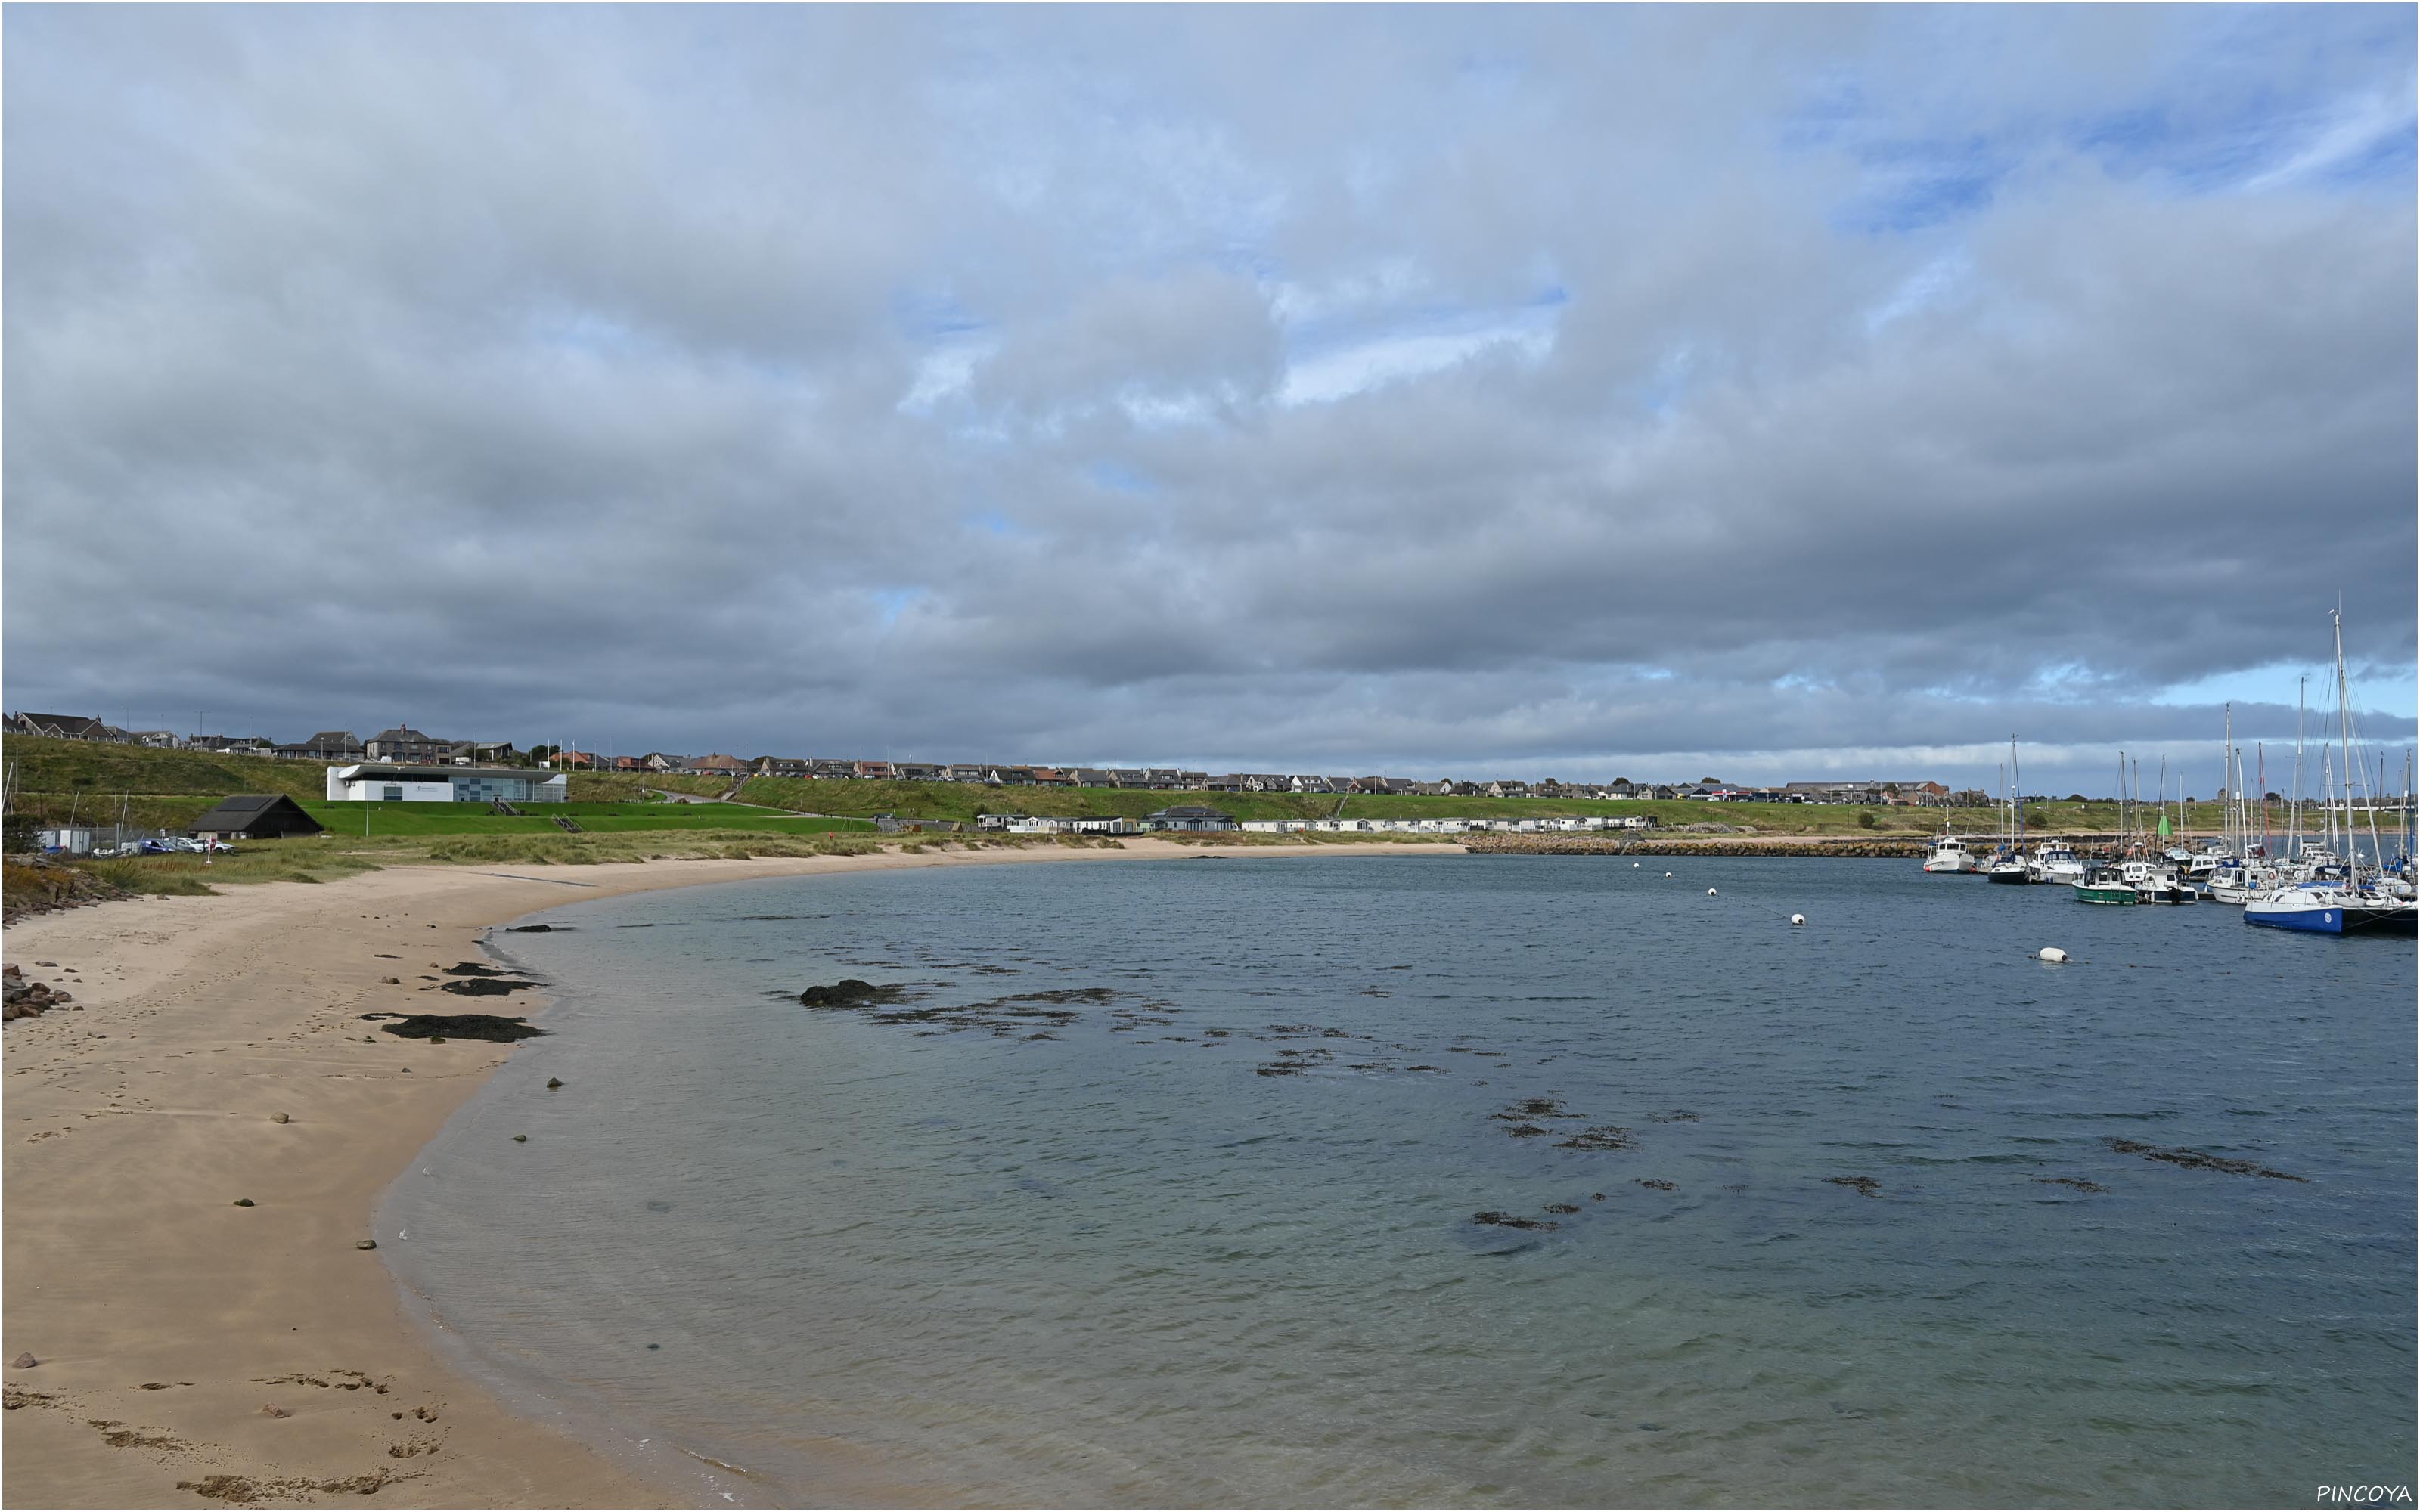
x,y
1119,1266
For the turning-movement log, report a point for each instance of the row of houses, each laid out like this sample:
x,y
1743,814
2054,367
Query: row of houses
x,y
399,743
1175,779
1198,817
404,743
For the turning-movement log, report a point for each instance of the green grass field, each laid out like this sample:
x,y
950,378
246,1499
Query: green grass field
x,y
168,790
962,802
421,819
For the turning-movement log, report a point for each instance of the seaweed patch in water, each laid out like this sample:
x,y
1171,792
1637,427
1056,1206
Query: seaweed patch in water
x,y
2196,1160
1533,1107
1603,1136
851,991
2076,1182
1865,1186
1506,1220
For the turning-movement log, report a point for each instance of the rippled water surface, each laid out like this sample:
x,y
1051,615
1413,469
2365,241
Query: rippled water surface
x,y
999,1256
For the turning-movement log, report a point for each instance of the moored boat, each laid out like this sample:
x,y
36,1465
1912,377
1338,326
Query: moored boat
x,y
2105,885
2057,863
2332,910
1949,854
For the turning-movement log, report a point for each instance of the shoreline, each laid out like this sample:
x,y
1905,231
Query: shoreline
x,y
168,1321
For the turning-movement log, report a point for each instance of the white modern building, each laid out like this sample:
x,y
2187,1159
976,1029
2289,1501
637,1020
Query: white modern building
x,y
402,782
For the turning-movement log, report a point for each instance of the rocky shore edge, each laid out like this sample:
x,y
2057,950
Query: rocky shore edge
x,y
1862,846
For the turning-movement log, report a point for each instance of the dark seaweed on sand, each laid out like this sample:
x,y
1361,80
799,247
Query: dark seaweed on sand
x,y
456,1026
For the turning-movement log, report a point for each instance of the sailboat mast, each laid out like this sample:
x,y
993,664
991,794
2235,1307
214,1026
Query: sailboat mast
x,y
2344,729
2294,815
2261,757
2227,795
2016,798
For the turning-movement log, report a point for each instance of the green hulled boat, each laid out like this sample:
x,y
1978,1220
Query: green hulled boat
x,y
2105,885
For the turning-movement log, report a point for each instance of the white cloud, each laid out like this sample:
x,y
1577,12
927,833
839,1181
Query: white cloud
x,y
1415,351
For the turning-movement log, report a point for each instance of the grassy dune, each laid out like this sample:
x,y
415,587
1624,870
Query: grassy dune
x,y
164,789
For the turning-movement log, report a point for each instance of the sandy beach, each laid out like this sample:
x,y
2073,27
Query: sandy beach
x,y
192,1351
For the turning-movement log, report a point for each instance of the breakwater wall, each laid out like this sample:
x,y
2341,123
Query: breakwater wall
x,y
1687,845
1668,842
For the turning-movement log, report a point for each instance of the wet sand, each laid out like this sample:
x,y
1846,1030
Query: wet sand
x,y
195,1352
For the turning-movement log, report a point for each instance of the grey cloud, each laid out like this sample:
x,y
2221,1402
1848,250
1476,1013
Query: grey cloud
x,y
567,349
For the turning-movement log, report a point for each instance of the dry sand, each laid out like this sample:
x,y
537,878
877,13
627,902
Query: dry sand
x,y
168,1321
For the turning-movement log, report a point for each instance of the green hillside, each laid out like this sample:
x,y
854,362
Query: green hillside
x,y
56,779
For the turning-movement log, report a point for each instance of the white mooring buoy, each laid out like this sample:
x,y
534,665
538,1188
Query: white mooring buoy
x,y
1798,918
2052,954
1710,893
1668,873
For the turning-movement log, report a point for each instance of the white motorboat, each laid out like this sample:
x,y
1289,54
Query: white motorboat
x,y
2058,864
1949,854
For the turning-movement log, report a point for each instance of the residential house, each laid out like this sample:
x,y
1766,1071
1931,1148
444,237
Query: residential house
x,y
1188,817
873,771
783,766
1232,782
327,745
574,760
1091,777
402,743
719,766
1129,776
1506,789
1051,777
1307,784
58,726
918,771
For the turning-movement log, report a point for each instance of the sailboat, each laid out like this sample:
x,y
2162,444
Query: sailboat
x,y
2009,865
2345,902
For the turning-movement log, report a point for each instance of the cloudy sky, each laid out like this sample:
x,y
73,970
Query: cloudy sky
x,y
1674,393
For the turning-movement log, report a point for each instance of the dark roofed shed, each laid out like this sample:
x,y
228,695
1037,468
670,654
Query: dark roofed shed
x,y
255,816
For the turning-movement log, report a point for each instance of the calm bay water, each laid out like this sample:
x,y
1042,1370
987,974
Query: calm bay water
x,y
862,1260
